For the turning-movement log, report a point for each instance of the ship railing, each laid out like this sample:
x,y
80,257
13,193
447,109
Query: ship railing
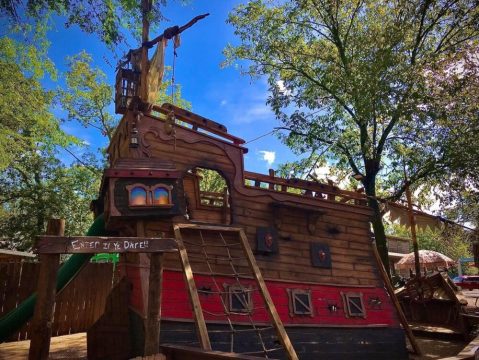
x,y
198,123
214,199
304,188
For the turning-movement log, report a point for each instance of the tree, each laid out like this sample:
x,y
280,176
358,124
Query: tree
x,y
87,95
25,119
106,18
352,80
459,110
35,184
38,187
452,240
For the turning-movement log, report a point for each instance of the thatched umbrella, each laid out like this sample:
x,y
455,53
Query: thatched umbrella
x,y
428,259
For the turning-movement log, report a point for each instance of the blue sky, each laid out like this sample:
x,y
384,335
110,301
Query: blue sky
x,y
221,94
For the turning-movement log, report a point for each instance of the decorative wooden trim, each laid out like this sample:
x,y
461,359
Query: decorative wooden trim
x,y
48,244
198,121
150,190
141,173
293,311
351,308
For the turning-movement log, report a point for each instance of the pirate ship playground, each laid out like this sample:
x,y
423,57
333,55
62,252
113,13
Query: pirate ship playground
x,y
263,267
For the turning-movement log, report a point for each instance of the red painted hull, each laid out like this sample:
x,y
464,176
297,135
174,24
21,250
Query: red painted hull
x,y
176,304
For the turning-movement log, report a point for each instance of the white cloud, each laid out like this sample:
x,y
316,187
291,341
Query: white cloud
x,y
223,102
282,88
268,156
246,114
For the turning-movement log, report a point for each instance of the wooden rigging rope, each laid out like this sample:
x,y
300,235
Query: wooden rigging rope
x,y
228,312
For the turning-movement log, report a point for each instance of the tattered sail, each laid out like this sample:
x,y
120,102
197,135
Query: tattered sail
x,y
156,70
423,220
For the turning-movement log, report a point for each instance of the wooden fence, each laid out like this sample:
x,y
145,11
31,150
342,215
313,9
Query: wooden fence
x,y
77,307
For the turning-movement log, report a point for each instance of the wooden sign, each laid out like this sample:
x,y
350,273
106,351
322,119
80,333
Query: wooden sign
x,y
102,244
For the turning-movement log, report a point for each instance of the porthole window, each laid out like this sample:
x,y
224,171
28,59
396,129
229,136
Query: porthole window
x,y
140,195
300,302
353,305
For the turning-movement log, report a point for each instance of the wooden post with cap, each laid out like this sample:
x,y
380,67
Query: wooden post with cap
x,y
46,290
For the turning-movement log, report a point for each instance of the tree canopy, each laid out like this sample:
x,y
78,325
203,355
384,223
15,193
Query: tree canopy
x,y
25,119
362,81
109,19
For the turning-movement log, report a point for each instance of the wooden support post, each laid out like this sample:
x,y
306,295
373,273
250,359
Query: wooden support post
x,y
412,222
277,323
152,328
45,305
271,175
146,9
392,295
201,329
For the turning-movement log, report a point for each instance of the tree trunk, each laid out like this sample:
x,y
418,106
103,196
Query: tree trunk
x,y
377,221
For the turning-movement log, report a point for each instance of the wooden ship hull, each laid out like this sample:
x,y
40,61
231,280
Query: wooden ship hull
x,y
312,243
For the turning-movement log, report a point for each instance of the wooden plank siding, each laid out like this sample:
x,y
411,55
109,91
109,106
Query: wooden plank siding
x,y
77,307
344,227
341,218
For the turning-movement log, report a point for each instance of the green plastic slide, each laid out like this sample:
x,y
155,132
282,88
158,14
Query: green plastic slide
x,y
14,320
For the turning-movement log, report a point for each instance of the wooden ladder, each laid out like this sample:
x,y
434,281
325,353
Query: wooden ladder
x,y
202,331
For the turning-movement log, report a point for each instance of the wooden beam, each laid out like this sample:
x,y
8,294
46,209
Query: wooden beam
x,y
102,244
412,222
207,227
191,353
45,305
201,329
198,121
392,295
146,11
277,323
152,327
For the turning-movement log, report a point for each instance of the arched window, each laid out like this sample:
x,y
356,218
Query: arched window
x,y
138,196
161,195
208,195
158,195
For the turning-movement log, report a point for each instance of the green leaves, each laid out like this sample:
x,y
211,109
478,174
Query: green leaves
x,y
357,74
109,19
88,96
38,187
359,81
25,120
